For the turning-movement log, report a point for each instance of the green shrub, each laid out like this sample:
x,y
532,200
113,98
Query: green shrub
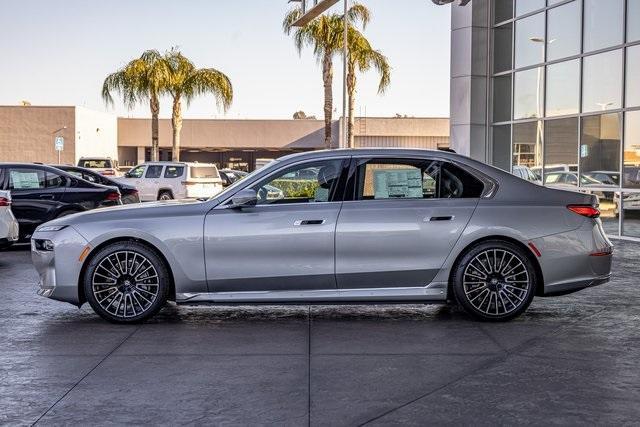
x,y
297,188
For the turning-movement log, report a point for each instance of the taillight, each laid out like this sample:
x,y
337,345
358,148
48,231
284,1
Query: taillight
x,y
4,201
585,210
112,197
109,172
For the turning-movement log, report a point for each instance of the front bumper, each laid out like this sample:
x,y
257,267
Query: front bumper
x,y
59,269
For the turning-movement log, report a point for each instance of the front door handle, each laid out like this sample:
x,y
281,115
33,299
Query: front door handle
x,y
308,222
47,196
442,218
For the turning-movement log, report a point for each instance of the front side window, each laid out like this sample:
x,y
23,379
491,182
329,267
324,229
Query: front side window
x,y
54,180
154,171
26,179
136,172
304,183
173,171
383,179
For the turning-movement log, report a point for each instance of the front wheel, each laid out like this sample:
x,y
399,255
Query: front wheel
x,y
126,282
494,280
165,195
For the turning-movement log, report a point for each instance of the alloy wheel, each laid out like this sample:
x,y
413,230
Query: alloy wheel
x,y
496,282
125,284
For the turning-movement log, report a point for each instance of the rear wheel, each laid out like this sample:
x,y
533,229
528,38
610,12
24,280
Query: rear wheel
x,y
165,195
494,280
126,282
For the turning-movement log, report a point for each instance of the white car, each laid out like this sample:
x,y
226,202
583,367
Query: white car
x,y
174,180
8,223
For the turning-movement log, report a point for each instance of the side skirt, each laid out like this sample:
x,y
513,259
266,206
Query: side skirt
x,y
432,293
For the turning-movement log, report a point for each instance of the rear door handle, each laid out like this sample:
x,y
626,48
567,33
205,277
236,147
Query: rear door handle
x,y
442,218
308,222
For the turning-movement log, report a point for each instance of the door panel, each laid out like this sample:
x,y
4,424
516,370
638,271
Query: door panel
x,y
271,247
397,243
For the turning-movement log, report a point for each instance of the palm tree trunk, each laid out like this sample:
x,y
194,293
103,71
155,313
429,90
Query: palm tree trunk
x,y
327,78
155,144
351,96
176,123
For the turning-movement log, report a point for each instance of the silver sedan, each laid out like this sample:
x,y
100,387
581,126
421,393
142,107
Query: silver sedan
x,y
353,226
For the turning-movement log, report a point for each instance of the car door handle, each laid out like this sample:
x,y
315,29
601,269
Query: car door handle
x,y
308,222
46,196
442,218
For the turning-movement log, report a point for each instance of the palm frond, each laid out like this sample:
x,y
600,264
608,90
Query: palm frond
x,y
208,80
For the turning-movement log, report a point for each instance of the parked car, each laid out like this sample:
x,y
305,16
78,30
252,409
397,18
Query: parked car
x,y
569,181
128,193
525,173
8,222
364,230
605,177
102,165
170,180
41,193
230,176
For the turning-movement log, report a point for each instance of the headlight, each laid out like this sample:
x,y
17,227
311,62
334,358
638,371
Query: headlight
x,y
43,244
51,228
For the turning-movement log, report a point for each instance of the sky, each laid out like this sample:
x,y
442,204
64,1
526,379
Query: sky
x,y
58,52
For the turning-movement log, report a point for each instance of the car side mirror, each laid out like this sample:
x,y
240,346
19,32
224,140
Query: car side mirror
x,y
244,199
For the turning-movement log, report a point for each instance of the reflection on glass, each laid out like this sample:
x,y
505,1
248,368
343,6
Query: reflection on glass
x,y
600,151
561,145
552,2
528,93
526,6
630,214
501,147
502,10
603,23
563,88
602,85
633,75
632,150
529,47
502,48
527,144
633,23
563,25
502,98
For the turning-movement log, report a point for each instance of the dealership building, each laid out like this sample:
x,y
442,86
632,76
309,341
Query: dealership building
x,y
551,84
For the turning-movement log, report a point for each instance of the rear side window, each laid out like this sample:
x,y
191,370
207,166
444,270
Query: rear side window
x,y
173,171
26,179
204,172
153,171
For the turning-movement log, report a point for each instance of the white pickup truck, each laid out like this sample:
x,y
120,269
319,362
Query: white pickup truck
x,y
174,180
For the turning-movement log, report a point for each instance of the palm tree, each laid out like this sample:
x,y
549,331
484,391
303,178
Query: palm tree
x,y
185,82
362,57
325,35
142,79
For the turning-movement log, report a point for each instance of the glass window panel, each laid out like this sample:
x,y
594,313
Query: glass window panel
x,y
552,2
602,85
560,145
501,147
530,40
632,150
563,88
502,98
633,20
503,10
563,30
502,48
528,93
600,151
603,23
526,6
633,73
527,145
631,214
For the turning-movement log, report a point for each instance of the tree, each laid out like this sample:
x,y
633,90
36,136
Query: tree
x,y
142,79
301,115
325,35
185,82
362,57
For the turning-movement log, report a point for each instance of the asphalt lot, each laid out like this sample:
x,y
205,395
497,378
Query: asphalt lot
x,y
568,360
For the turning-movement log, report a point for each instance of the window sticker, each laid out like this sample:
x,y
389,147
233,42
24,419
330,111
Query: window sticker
x,y
397,183
25,180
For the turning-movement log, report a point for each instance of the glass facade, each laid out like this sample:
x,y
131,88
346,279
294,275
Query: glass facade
x,y
565,99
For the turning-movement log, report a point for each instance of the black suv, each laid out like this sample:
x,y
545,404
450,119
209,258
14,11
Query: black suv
x,y
41,193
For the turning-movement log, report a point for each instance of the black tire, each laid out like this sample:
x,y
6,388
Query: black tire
x,y
130,278
494,281
165,195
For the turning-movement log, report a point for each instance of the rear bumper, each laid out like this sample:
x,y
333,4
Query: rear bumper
x,y
570,287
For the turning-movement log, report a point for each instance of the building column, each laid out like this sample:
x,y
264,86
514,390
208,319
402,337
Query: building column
x,y
469,78
140,155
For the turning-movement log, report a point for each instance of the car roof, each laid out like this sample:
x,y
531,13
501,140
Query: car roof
x,y
168,163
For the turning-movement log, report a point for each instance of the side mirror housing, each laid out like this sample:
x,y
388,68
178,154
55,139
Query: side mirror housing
x,y
245,198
